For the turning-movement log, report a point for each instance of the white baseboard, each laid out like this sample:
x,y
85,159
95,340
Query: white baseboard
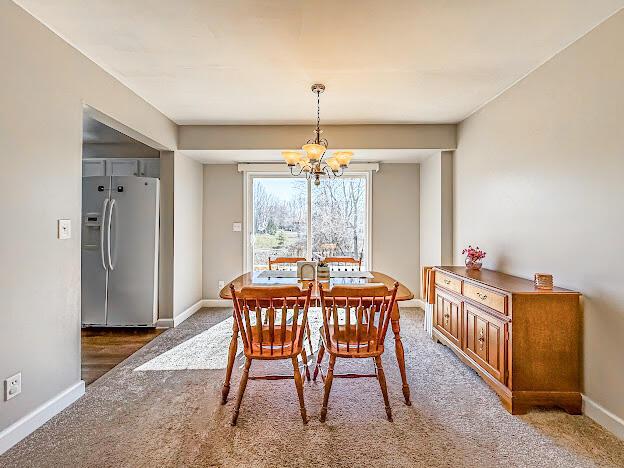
x,y
412,303
39,416
182,316
164,323
217,303
604,417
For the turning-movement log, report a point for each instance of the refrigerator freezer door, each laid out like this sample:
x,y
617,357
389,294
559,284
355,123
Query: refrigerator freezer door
x,y
95,193
133,264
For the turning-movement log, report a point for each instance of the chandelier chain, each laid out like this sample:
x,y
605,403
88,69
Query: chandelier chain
x,y
318,115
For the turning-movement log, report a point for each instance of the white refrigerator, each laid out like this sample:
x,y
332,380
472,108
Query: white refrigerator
x,y
120,227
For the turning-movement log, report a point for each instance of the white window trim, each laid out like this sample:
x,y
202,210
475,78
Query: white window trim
x,y
251,171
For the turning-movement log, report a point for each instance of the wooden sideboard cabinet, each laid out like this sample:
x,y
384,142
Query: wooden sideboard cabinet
x,y
523,341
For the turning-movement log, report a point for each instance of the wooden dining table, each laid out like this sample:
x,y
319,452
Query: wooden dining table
x,y
258,278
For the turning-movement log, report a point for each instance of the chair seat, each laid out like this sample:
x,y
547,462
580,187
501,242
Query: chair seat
x,y
365,347
263,351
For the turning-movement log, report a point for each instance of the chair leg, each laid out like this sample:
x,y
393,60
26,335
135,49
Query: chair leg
x,y
299,385
319,359
384,389
309,333
328,384
241,390
304,357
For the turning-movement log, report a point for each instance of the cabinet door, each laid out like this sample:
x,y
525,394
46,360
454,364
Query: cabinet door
x,y
93,167
149,167
122,167
447,317
484,341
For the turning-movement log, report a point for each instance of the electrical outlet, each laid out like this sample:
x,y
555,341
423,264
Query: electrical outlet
x,y
221,285
13,386
237,227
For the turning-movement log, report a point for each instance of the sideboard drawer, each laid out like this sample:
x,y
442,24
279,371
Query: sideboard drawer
x,y
448,282
486,297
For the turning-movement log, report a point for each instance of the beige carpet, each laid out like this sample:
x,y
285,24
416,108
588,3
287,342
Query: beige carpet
x,y
167,413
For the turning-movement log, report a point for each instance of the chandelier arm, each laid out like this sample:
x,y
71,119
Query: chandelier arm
x,y
329,172
292,171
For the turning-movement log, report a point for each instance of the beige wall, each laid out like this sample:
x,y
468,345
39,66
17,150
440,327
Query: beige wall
x,y
165,259
395,248
431,211
43,85
187,232
396,223
436,210
253,137
538,185
223,205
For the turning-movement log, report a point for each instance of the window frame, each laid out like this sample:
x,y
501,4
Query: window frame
x,y
272,172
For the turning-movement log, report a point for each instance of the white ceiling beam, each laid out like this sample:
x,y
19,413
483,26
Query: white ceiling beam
x,y
237,137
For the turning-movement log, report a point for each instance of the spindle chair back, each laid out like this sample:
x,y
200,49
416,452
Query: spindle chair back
x,y
284,263
272,321
344,263
355,322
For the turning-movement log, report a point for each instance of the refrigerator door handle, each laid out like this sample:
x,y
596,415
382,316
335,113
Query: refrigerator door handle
x,y
104,206
108,230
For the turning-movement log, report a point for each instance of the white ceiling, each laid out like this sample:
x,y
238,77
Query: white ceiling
x,y
253,61
258,156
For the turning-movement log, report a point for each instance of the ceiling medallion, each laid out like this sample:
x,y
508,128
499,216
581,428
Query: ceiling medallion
x,y
311,162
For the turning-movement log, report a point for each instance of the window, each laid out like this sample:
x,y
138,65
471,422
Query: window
x,y
292,217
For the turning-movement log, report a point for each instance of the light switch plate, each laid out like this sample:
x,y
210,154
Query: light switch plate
x,y
64,229
237,227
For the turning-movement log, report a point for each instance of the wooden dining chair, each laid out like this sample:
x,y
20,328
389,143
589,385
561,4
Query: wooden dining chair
x,y
284,262
282,337
355,322
344,263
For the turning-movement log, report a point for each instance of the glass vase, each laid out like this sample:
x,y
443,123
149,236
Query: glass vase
x,y
473,264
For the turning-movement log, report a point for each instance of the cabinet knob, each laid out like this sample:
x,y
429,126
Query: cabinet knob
x,y
483,297
447,281
481,338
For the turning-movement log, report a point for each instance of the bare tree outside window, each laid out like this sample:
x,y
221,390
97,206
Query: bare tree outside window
x,y
339,218
279,216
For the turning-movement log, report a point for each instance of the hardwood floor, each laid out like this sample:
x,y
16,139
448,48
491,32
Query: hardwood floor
x,y
104,348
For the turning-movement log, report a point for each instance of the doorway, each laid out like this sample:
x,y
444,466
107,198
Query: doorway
x,y
119,246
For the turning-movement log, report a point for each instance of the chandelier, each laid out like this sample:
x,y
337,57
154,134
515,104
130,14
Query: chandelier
x,y
311,162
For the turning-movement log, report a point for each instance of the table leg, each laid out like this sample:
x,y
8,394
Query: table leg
x,y
400,354
230,364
